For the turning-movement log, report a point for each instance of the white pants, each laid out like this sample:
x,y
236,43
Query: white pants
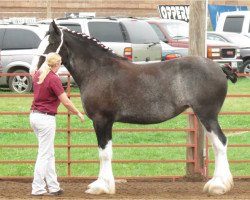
x,y
44,127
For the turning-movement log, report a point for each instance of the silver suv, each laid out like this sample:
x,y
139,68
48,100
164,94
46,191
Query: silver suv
x,y
18,44
128,37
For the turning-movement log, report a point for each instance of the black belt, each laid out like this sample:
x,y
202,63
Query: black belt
x,y
37,111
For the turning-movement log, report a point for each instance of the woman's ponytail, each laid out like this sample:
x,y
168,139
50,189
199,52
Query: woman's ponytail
x,y
50,61
45,68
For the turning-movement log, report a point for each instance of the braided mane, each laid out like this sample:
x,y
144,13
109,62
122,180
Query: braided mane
x,y
94,41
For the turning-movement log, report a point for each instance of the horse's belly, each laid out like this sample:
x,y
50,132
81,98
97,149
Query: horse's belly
x,y
141,120
148,116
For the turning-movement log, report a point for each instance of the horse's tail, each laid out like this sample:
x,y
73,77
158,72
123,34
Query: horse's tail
x,y
230,73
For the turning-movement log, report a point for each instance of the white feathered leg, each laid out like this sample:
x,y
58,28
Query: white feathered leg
x,y
222,180
105,182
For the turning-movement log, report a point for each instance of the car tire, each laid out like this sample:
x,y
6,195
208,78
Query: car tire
x,y
246,68
20,84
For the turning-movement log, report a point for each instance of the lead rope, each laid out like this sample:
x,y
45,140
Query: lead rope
x,y
59,48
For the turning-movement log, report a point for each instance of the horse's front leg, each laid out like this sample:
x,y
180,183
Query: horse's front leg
x,y
105,182
222,180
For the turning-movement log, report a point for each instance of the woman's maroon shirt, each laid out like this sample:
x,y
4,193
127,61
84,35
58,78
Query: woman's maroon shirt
x,y
46,94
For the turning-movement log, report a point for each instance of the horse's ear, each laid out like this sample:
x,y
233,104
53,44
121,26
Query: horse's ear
x,y
53,28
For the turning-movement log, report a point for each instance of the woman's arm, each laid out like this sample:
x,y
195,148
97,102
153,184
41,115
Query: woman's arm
x,y
70,106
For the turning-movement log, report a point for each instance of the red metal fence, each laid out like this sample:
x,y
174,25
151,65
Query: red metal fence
x,y
192,143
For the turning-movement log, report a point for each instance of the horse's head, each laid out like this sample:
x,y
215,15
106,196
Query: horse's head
x,y
76,49
52,42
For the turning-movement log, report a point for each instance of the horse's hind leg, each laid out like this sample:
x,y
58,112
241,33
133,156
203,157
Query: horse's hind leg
x,y
105,182
222,180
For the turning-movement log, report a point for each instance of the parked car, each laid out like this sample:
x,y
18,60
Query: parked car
x,y
169,52
237,39
176,33
128,37
18,45
236,21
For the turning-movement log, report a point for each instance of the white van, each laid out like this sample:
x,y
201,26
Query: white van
x,y
18,45
236,21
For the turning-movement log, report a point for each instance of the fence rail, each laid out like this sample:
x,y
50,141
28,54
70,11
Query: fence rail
x,y
191,145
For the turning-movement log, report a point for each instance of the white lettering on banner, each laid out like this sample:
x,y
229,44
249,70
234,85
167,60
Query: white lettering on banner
x,y
180,12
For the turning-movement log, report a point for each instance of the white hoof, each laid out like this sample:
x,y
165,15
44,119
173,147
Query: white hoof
x,y
97,190
101,186
94,184
218,185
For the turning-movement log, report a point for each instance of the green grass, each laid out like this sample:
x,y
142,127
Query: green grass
x,y
22,104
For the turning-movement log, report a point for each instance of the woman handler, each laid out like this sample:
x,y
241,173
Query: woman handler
x,y
48,93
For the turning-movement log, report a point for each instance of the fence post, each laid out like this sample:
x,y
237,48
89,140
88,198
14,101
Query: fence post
x,y
69,131
196,169
197,46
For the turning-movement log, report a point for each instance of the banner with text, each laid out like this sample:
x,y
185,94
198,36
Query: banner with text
x,y
179,12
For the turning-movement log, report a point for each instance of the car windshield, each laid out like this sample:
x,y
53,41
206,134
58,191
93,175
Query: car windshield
x,y
140,32
106,31
177,29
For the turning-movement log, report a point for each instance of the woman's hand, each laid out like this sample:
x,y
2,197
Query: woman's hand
x,y
80,115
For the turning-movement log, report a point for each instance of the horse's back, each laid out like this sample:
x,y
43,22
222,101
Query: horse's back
x,y
194,65
200,82
196,72
189,67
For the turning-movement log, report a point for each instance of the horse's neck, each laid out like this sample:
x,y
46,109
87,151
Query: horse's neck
x,y
82,65
81,69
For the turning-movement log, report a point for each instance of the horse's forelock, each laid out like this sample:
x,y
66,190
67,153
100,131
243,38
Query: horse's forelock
x,y
51,37
54,42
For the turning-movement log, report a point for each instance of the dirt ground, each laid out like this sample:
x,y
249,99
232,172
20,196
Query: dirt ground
x,y
127,190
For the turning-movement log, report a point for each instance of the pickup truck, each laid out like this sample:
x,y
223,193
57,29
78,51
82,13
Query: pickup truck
x,y
242,41
175,33
236,21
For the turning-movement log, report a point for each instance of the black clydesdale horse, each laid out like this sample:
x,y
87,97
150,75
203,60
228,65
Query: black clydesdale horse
x,y
116,90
